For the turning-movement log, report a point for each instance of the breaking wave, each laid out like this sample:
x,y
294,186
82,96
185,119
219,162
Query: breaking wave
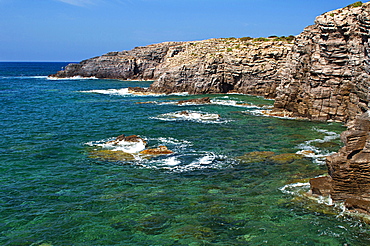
x,y
195,116
317,154
183,159
72,78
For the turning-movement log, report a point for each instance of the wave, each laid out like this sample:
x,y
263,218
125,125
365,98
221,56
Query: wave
x,y
188,161
72,78
268,113
195,116
233,103
122,92
183,159
124,146
318,155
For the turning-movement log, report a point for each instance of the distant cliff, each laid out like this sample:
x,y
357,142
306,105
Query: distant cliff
x,y
321,75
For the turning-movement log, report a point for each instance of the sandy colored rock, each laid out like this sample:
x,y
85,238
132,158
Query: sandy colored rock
x,y
161,150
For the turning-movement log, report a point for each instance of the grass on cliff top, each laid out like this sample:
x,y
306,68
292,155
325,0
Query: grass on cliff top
x,y
271,38
355,5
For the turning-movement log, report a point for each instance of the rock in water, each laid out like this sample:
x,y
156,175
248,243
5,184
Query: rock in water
x,y
203,100
349,169
161,150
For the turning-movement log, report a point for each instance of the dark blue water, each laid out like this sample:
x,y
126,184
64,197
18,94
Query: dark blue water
x,y
222,185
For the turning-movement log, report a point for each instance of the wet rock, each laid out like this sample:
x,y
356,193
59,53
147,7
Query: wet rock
x,y
358,205
132,138
203,100
161,150
321,186
349,169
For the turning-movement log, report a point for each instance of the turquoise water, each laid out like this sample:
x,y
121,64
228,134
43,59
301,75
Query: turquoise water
x,y
60,185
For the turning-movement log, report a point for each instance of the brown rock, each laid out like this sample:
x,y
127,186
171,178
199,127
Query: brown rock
x,y
132,138
357,205
203,100
321,186
161,150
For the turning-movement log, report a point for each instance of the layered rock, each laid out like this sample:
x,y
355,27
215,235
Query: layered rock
x,y
324,75
349,169
223,65
137,64
328,75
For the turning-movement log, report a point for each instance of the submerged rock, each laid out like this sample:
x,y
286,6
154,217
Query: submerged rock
x,y
203,100
286,158
110,155
256,156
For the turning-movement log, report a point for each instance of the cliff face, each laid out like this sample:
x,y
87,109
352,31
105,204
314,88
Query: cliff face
x,y
224,65
329,68
349,169
137,64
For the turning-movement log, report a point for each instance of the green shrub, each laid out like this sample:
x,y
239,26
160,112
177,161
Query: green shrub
x,y
245,39
261,39
229,49
354,5
290,38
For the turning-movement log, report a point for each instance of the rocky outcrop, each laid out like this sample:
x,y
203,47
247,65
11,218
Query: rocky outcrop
x,y
137,64
328,76
349,169
323,75
223,65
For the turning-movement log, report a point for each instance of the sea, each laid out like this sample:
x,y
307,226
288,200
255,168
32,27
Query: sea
x,y
234,176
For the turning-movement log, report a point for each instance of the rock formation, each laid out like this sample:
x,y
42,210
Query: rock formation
x,y
349,169
323,75
137,64
328,76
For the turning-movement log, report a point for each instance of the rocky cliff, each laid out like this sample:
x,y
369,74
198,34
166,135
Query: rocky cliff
x,y
322,75
349,169
329,67
137,64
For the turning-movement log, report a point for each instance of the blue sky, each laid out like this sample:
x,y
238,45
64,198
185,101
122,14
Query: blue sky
x,y
73,30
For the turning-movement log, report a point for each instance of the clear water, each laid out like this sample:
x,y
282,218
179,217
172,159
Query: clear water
x,y
60,187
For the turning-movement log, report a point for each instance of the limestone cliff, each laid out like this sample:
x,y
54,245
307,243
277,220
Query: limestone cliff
x,y
137,64
323,75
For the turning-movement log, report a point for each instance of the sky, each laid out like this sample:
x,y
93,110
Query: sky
x,y
74,30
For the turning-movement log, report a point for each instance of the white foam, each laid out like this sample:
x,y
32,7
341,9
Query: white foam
x,y
233,103
318,155
191,116
71,78
295,189
120,92
124,146
180,94
265,112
